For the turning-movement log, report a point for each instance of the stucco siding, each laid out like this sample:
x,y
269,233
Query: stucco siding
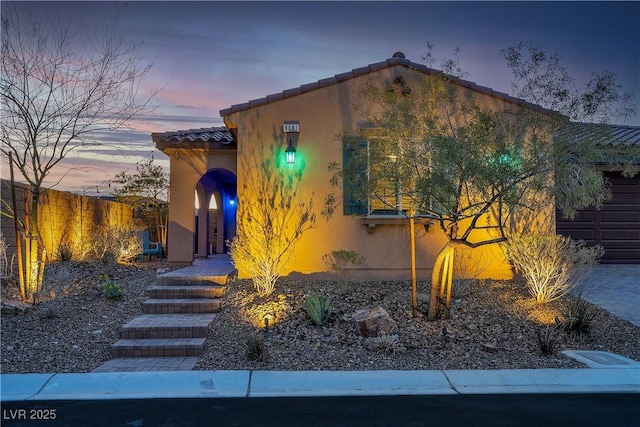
x,y
322,114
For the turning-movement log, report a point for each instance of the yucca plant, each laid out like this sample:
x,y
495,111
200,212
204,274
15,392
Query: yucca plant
x,y
255,349
548,340
318,308
578,317
110,287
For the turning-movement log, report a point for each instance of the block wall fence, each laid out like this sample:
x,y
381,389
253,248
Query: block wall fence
x,y
65,218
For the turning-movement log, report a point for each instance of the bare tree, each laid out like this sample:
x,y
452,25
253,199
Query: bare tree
x,y
55,93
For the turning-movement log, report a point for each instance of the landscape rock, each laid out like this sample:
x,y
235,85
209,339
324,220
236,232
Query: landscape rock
x,y
32,344
490,347
373,322
14,307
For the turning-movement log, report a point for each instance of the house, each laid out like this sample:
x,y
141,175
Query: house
x,y
214,162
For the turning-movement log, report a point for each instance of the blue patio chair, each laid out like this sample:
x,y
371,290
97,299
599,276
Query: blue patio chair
x,y
150,248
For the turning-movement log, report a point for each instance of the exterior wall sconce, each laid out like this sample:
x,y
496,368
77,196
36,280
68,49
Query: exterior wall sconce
x,y
290,153
291,129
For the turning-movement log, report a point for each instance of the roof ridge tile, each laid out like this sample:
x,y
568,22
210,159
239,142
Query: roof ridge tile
x,y
377,66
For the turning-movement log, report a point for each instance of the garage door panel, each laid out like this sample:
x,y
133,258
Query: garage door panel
x,y
616,226
587,235
622,200
617,256
616,235
625,216
584,216
619,180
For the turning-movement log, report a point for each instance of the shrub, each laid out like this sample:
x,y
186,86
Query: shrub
x,y
65,252
548,339
254,349
552,265
110,287
340,259
578,317
121,242
6,263
319,308
462,287
384,343
270,221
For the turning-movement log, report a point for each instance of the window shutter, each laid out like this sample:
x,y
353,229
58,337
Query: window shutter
x,y
353,151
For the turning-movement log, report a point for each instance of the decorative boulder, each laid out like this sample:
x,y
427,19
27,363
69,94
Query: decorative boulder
x,y
372,322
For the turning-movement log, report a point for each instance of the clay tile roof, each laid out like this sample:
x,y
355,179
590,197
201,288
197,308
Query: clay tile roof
x,y
602,134
215,134
396,60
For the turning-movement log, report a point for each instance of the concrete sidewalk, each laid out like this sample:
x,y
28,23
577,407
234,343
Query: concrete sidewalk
x,y
227,384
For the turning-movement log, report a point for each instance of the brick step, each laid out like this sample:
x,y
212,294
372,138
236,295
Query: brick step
x,y
185,292
167,347
212,280
167,326
181,306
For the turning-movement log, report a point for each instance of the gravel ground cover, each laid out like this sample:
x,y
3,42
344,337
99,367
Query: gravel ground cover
x,y
492,325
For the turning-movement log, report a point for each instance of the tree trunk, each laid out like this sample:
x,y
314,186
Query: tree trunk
x,y
34,257
18,231
441,279
414,284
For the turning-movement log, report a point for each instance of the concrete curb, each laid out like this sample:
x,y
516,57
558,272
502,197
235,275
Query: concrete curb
x,y
230,384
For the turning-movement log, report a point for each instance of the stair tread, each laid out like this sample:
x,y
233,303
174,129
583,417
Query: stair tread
x,y
170,320
152,342
181,300
187,287
185,292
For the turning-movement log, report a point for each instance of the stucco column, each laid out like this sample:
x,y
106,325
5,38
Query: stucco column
x,y
181,213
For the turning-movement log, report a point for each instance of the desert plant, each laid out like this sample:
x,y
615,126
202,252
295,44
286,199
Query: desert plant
x,y
319,308
6,262
462,287
384,343
110,287
123,242
469,265
552,265
271,218
340,259
65,252
578,317
548,341
254,349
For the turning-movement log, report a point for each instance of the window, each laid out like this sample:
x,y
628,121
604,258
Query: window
x,y
372,183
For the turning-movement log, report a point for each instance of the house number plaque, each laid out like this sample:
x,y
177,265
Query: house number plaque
x,y
291,127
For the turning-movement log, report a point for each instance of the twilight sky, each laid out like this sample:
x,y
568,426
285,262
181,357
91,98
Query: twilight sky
x,y
211,55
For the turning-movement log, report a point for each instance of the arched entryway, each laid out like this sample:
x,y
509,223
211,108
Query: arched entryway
x,y
215,223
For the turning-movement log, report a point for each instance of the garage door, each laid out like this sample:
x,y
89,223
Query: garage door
x,y
616,226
